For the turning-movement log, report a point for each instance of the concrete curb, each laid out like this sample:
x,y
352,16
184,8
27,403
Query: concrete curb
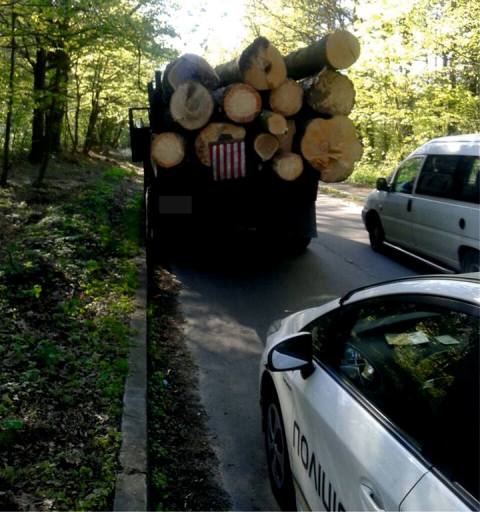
x,y
131,485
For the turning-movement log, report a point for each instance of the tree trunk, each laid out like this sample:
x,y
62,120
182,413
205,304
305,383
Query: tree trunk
x,y
287,99
241,103
92,122
59,93
191,105
273,123
330,93
261,65
338,50
288,166
331,147
168,149
8,121
39,111
266,145
214,132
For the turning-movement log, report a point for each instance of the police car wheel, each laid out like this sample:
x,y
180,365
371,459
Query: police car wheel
x,y
277,453
376,234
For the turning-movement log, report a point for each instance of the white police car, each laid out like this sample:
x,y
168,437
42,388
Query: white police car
x,y
371,402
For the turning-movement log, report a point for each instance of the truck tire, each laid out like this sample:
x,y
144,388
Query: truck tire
x,y
375,233
298,244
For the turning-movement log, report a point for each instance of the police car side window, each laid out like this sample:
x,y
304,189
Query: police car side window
x,y
418,364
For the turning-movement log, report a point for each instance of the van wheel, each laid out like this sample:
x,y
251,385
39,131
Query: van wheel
x,y
470,261
278,462
376,234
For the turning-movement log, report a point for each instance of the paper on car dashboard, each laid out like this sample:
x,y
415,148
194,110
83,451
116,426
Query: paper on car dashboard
x,y
407,338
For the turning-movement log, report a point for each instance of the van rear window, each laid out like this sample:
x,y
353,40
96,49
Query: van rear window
x,y
452,177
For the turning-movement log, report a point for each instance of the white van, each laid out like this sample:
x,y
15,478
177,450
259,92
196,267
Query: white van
x,y
430,204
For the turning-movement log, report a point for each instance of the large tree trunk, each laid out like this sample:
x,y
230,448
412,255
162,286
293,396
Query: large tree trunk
x,y
261,65
240,102
191,105
8,121
215,132
92,122
330,93
59,93
331,146
287,99
168,149
39,111
338,50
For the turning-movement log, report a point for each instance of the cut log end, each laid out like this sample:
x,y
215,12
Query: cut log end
x,y
288,166
266,145
241,103
273,123
331,147
342,49
287,98
213,132
168,149
330,93
286,139
191,67
191,105
262,66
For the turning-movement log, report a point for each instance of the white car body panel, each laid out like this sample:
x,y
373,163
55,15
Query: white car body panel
x,y
386,464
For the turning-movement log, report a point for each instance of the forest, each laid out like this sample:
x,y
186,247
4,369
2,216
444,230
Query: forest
x,y
69,69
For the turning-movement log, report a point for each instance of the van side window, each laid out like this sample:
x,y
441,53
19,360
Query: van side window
x,y
405,176
451,177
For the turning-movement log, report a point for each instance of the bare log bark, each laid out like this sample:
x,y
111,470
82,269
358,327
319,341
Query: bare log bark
x,y
287,98
261,65
185,68
330,93
168,149
215,132
338,50
288,166
331,146
191,105
240,102
266,145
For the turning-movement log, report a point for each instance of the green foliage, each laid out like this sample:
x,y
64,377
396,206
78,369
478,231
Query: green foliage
x,y
66,285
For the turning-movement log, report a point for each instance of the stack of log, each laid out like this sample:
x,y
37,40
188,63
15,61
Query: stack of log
x,y
292,112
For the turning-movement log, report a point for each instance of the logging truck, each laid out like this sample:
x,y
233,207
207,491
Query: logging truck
x,y
243,146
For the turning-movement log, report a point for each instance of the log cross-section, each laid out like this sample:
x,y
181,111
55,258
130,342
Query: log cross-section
x,y
191,105
168,149
240,102
214,132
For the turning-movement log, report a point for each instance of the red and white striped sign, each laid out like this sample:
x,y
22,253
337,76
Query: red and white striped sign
x,y
228,160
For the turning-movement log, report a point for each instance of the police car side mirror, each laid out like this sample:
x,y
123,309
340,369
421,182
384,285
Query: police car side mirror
x,y
293,352
382,185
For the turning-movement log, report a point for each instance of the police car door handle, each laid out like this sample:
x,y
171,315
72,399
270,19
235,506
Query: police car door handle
x,y
370,498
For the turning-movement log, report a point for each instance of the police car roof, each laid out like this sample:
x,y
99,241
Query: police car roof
x,y
468,145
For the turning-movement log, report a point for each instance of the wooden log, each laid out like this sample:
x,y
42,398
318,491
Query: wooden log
x,y
215,132
273,123
287,98
185,68
288,166
338,50
240,102
286,139
191,105
330,93
261,65
168,149
266,145
331,147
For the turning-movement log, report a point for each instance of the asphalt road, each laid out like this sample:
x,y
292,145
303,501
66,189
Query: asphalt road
x,y
231,296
